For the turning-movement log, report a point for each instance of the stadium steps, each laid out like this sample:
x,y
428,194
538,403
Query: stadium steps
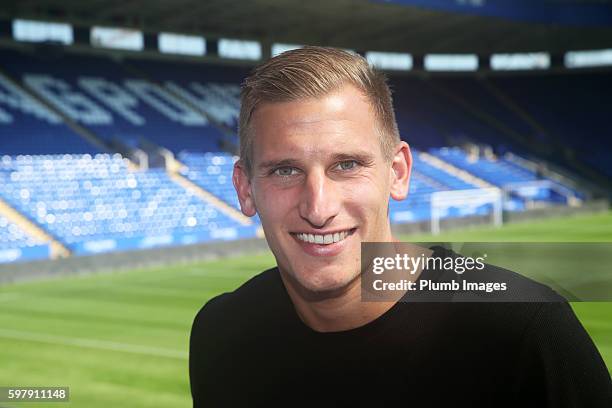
x,y
33,230
81,131
208,197
454,170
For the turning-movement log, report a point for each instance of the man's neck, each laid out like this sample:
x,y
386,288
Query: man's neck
x,y
341,312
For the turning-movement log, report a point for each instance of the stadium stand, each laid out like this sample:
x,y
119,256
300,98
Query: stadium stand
x,y
476,93
95,204
509,176
16,244
427,118
29,127
212,171
580,99
64,117
512,113
213,90
112,102
425,180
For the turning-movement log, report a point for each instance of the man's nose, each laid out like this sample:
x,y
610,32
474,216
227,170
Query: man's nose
x,y
320,201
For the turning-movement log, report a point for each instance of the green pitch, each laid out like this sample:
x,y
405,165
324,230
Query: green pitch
x,y
121,339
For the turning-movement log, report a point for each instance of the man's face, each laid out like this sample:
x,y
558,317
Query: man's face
x,y
321,185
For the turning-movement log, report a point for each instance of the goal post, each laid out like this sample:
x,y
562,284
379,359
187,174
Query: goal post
x,y
467,201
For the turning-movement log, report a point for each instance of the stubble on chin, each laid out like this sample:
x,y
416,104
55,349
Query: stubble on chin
x,y
319,286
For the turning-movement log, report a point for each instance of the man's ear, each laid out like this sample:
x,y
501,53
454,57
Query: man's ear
x,y
242,184
401,168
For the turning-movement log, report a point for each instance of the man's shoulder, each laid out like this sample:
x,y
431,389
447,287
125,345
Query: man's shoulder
x,y
254,299
519,288
493,283
494,300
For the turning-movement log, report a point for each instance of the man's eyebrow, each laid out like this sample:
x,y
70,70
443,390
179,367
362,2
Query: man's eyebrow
x,y
363,157
270,164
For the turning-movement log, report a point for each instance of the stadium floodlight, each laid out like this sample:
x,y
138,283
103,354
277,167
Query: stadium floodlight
x,y
465,201
451,62
39,31
279,48
119,38
390,60
170,43
532,60
591,58
239,49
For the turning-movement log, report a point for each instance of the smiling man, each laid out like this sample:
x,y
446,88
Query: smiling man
x,y
320,175
320,158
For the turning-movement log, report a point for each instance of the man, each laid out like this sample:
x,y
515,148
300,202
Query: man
x,y
320,157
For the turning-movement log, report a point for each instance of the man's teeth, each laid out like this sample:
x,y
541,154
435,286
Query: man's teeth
x,y
323,239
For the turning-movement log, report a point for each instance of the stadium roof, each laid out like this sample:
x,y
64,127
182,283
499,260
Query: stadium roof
x,y
357,24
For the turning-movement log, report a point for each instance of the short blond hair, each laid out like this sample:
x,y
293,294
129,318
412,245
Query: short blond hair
x,y
312,72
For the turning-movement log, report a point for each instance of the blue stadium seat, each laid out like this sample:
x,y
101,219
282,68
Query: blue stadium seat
x,y
109,100
81,198
29,127
213,172
17,245
507,175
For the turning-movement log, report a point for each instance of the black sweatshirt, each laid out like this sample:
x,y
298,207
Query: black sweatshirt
x,y
250,348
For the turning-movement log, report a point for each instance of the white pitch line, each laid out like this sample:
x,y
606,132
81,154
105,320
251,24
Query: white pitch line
x,y
94,344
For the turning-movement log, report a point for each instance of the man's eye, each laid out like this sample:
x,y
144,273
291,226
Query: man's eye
x,y
347,165
285,171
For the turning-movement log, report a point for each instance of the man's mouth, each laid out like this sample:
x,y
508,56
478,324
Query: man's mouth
x,y
324,239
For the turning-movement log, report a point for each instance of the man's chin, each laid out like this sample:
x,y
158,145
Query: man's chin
x,y
324,286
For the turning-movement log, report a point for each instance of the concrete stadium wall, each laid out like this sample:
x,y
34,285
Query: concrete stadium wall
x,y
588,207
114,261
